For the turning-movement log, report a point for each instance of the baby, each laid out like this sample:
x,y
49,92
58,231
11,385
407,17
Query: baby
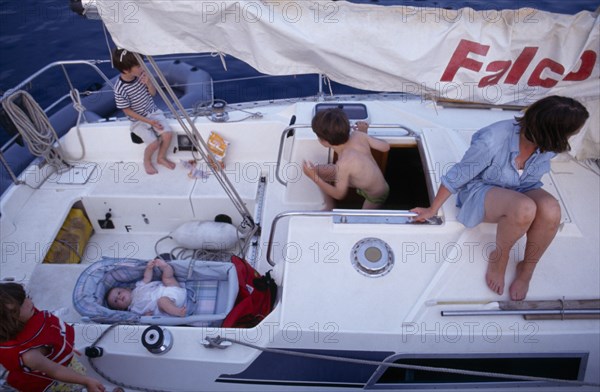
x,y
149,297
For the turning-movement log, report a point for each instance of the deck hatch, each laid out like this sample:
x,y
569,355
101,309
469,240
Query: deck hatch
x,y
372,257
354,111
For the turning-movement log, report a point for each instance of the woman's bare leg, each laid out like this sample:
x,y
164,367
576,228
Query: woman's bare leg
x,y
514,213
539,236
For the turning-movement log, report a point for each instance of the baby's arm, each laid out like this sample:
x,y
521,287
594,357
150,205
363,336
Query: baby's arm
x,y
148,272
168,277
166,305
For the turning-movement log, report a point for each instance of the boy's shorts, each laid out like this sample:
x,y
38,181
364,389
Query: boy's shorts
x,y
146,132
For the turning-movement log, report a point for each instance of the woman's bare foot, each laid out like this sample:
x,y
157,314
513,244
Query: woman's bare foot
x,y
494,277
167,163
519,287
150,169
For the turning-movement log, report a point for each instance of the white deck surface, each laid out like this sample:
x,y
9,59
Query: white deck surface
x,y
320,291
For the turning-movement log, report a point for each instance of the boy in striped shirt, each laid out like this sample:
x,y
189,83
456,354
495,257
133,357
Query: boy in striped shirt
x,y
133,94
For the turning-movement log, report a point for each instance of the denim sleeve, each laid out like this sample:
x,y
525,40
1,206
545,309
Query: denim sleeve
x,y
476,159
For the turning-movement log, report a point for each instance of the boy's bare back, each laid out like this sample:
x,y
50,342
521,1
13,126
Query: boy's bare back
x,y
355,161
355,167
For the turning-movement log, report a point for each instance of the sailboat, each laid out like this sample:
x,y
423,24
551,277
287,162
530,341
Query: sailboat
x,y
364,299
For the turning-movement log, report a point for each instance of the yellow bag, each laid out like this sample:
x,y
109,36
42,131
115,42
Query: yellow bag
x,y
218,146
71,240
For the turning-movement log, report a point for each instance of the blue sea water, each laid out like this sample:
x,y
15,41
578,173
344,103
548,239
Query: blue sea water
x,y
34,34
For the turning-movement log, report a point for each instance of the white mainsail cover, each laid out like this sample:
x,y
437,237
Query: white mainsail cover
x,y
498,57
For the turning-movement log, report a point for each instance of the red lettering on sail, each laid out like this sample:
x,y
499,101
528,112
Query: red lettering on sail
x,y
588,59
521,64
501,66
547,73
460,60
536,76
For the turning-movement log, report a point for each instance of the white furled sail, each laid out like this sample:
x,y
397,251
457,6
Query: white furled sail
x,y
498,57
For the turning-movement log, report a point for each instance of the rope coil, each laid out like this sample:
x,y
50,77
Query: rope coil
x,y
34,126
37,132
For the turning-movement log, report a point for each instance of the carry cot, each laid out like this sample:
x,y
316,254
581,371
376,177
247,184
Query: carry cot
x,y
212,288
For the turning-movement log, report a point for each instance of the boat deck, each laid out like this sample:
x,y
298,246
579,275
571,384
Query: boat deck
x,y
145,208
324,302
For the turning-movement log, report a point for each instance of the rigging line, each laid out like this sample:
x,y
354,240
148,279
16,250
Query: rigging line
x,y
186,56
107,45
80,114
238,120
328,82
218,171
62,66
214,342
222,57
248,78
194,135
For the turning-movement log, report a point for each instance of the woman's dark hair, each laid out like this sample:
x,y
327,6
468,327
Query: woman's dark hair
x,y
332,125
123,60
12,296
550,122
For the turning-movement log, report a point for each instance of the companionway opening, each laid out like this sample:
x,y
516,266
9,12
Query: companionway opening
x,y
403,170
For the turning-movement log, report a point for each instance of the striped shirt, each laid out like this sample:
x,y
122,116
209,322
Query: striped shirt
x,y
134,95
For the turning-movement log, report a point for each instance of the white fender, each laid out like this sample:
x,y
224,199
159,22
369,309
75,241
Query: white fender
x,y
206,235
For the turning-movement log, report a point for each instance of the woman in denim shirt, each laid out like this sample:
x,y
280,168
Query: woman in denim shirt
x,y
498,181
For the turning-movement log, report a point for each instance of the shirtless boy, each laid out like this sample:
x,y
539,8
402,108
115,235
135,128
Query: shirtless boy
x,y
355,166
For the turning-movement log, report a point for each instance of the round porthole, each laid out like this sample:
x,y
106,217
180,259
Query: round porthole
x,y
372,257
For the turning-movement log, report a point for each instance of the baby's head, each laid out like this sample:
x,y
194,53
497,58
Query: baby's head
x,y
118,298
332,126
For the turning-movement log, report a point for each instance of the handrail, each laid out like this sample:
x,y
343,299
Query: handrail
x,y
10,92
410,131
341,213
91,63
284,135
